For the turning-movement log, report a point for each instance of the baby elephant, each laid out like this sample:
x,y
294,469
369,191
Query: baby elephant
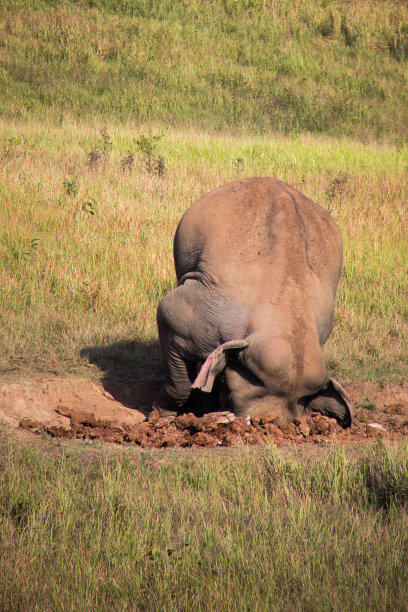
x,y
257,266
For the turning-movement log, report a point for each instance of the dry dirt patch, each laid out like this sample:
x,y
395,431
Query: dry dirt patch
x,y
50,402
80,409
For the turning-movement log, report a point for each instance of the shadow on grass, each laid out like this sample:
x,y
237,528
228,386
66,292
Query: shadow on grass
x,y
132,371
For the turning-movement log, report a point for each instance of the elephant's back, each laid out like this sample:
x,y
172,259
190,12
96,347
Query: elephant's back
x,y
259,231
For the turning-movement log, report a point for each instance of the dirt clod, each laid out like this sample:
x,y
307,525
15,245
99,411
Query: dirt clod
x,y
302,424
30,424
187,421
204,439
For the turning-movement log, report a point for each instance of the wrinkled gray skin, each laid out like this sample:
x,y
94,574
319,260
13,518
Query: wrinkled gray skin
x,y
258,266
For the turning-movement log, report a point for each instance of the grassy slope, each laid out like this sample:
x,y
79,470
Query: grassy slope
x,y
321,66
86,530
94,280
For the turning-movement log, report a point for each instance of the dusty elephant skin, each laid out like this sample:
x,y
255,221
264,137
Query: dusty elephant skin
x,y
258,266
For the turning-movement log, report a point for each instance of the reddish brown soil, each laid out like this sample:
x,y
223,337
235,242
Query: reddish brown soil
x,y
82,410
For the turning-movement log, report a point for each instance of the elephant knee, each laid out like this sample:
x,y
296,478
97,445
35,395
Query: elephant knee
x,y
162,313
175,314
166,317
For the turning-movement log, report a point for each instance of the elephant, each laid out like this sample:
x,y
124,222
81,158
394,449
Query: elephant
x,y
257,265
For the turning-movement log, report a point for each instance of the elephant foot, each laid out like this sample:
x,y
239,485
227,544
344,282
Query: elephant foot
x,y
198,403
164,404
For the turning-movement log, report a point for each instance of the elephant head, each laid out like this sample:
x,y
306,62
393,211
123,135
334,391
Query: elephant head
x,y
330,400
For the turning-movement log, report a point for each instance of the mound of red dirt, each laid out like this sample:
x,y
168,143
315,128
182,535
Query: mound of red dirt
x,y
219,429
82,410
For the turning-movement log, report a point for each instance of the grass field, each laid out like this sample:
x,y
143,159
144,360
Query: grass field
x,y
87,528
115,116
326,66
312,93
87,229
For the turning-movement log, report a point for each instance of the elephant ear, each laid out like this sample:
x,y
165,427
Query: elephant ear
x,y
332,401
215,363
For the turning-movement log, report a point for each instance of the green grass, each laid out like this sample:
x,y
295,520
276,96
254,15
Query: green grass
x,y
116,530
324,66
314,93
87,252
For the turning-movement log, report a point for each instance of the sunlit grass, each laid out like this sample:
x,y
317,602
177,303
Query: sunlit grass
x,y
325,66
87,252
87,529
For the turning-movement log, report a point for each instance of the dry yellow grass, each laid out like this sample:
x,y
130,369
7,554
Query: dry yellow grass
x,y
90,528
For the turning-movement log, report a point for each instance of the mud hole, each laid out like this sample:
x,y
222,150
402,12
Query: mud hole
x,y
78,409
